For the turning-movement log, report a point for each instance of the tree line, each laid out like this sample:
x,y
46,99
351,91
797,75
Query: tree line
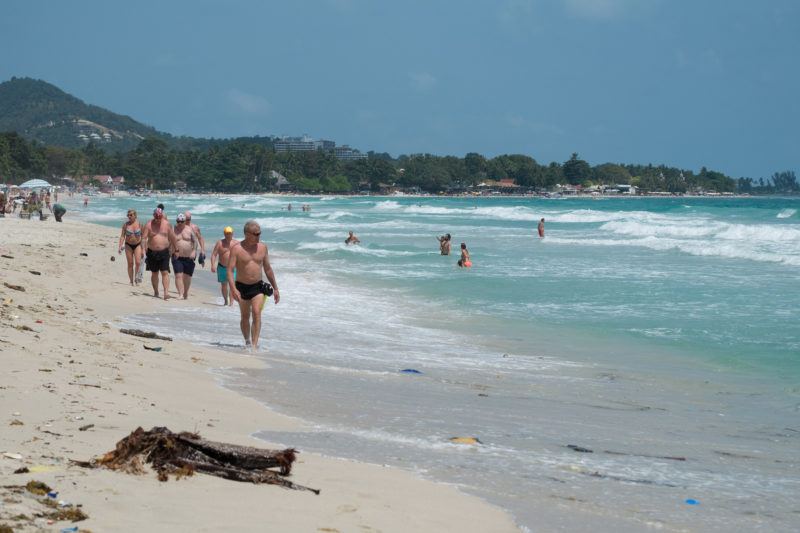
x,y
245,165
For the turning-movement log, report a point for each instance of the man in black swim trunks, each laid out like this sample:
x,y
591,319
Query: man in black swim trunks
x,y
159,243
187,242
248,259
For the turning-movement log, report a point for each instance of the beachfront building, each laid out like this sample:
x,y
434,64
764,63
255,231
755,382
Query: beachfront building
x,y
281,182
302,144
309,144
345,153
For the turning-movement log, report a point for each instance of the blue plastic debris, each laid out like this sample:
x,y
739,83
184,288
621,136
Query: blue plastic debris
x,y
690,501
69,529
410,371
52,494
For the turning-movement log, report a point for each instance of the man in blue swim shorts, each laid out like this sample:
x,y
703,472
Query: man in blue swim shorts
x,y
222,252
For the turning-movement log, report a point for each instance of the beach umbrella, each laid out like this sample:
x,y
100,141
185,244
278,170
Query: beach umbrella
x,y
34,184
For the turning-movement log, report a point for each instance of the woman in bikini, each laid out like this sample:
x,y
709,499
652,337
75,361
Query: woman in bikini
x,y
130,240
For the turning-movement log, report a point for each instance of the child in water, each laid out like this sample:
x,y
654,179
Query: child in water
x,y
465,260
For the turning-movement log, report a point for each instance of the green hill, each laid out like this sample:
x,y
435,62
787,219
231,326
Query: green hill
x,y
40,111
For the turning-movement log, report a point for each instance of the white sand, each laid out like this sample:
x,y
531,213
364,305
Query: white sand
x,y
75,368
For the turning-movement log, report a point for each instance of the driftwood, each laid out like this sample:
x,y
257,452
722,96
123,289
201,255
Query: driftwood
x,y
184,453
14,287
145,334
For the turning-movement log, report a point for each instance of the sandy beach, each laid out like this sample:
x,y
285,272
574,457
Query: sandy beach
x,y
73,385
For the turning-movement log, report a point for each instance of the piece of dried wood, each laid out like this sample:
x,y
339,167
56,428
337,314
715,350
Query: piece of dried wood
x,y
184,453
145,334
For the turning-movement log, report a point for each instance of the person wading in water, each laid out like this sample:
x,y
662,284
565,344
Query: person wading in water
x,y
248,259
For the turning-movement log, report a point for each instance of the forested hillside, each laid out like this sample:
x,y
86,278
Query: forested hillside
x,y
40,111
50,134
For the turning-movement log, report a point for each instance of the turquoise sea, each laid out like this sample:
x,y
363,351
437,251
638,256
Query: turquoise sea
x,y
659,333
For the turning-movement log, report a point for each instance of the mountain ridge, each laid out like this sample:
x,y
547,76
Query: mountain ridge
x,y
40,111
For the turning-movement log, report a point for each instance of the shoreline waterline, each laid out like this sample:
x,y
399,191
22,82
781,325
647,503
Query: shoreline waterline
x,y
649,376
70,367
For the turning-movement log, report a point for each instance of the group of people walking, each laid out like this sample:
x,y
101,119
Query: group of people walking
x,y
238,264
161,244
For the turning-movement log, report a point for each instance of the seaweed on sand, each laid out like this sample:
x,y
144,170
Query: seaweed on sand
x,y
182,454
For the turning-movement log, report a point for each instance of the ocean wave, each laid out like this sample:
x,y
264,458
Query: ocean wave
x,y
779,234
786,213
638,229
733,249
587,216
387,205
514,213
325,246
335,215
207,209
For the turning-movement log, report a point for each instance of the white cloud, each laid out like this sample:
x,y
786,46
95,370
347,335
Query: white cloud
x,y
249,103
603,9
517,17
422,81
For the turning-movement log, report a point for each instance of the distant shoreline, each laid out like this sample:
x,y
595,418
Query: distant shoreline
x,y
414,195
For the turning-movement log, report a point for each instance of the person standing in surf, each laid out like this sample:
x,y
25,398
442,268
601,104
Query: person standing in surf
x,y
351,239
222,251
444,244
247,287
541,228
465,261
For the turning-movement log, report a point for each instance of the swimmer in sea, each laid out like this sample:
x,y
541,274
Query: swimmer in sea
x,y
351,239
444,244
465,260
541,228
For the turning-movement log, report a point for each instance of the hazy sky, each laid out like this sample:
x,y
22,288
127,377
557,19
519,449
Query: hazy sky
x,y
681,82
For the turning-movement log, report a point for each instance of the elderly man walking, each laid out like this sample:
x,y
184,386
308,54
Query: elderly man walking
x,y
158,240
248,259
186,243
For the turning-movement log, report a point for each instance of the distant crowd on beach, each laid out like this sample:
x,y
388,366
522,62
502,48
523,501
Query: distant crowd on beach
x,y
32,202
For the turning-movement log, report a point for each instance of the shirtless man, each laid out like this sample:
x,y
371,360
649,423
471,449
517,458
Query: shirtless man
x,y
247,259
351,239
183,259
158,240
444,244
222,250
201,258
541,228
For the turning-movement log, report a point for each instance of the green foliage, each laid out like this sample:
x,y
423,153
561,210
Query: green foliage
x,y
785,181
48,121
611,173
576,170
43,112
